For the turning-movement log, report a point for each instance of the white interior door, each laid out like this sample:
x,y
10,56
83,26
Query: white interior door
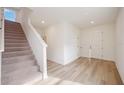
x,y
96,44
91,44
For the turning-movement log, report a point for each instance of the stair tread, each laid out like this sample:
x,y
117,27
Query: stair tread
x,y
23,70
23,47
24,80
9,51
16,63
7,68
17,49
12,49
15,53
21,78
18,57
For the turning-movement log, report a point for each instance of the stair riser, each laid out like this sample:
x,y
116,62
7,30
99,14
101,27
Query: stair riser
x,y
14,31
16,44
18,38
11,23
12,26
9,36
13,49
15,41
14,34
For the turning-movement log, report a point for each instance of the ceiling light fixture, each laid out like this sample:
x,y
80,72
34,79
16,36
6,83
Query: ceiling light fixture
x,y
42,21
92,22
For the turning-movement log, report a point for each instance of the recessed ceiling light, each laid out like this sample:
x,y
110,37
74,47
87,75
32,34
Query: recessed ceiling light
x,y
92,22
42,21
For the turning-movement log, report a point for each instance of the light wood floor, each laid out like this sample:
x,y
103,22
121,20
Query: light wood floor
x,y
82,71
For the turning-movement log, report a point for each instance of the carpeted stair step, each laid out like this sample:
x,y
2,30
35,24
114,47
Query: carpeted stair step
x,y
15,37
15,41
17,65
16,53
12,49
16,44
17,59
28,75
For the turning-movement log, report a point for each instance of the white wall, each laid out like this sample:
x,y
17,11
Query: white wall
x,y
19,16
55,41
40,31
91,39
63,43
120,43
71,43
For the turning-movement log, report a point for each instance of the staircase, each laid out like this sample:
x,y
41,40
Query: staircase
x,y
18,62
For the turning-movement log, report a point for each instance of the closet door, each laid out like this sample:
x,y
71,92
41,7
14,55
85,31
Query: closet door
x,y
92,44
96,44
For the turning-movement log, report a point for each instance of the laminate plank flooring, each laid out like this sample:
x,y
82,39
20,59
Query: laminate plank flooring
x,y
82,72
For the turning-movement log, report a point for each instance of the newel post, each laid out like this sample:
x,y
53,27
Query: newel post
x,y
44,68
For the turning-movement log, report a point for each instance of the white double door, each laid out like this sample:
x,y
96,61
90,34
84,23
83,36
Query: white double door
x,y
92,44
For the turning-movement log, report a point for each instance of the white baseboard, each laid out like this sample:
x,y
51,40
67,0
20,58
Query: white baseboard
x,y
71,60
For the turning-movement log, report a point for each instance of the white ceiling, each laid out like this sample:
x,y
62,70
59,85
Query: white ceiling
x,y
14,8
80,17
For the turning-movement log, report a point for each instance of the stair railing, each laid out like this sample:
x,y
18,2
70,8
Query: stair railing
x,y
42,59
36,42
